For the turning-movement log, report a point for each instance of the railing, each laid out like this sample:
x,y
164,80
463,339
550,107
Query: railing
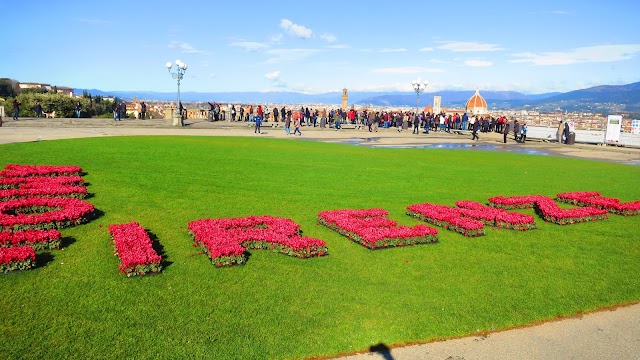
x,y
583,136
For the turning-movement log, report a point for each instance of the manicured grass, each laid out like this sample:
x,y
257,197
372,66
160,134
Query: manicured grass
x,y
77,304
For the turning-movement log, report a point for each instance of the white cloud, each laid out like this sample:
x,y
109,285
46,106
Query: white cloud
x,y
295,29
284,55
339,46
276,39
426,49
405,70
392,50
478,63
590,54
274,75
467,46
186,48
330,38
249,45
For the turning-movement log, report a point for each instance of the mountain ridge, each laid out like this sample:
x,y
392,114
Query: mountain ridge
x,y
607,98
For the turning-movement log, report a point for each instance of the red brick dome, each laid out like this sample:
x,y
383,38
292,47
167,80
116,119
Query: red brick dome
x,y
477,104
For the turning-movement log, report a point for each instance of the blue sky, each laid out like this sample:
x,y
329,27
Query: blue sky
x,y
320,46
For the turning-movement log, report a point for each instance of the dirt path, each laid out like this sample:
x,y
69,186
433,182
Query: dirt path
x,y
608,334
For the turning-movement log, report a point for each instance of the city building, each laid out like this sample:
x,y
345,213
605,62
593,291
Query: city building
x,y
477,105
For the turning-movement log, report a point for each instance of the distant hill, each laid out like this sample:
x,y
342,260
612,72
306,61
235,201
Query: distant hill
x,y
605,98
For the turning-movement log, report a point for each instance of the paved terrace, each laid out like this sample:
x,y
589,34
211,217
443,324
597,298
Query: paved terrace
x,y
39,129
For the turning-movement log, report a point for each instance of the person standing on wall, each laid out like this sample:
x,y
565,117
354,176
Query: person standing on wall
x,y
16,109
78,109
143,108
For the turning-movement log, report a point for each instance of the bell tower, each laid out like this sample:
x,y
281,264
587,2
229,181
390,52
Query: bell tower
x,y
345,99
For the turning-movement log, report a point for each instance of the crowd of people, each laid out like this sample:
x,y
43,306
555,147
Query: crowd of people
x,y
371,119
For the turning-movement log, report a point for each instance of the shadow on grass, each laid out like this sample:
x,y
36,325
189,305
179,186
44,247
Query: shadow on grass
x,y
383,350
95,215
43,259
155,244
67,241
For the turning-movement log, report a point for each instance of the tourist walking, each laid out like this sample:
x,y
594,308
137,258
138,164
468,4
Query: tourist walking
x,y
476,126
287,121
38,109
296,124
523,133
78,109
416,124
16,109
505,131
516,130
258,124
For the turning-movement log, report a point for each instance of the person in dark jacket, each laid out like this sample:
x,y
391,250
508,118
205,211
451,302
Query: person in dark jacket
x,y
505,131
516,130
16,109
38,109
476,126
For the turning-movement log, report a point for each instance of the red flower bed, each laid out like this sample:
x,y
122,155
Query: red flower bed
x,y
15,170
225,240
447,217
37,239
134,247
43,213
43,189
549,210
499,218
17,258
31,182
594,199
372,229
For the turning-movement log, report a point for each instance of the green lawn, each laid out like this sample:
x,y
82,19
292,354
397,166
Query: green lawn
x,y
76,304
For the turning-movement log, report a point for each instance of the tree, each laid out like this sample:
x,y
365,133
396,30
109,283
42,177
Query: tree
x,y
8,88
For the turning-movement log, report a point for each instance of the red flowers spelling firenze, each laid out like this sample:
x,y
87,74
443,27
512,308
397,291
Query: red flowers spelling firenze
x,y
42,213
549,210
225,240
23,171
17,258
135,249
469,217
37,239
372,229
34,200
594,199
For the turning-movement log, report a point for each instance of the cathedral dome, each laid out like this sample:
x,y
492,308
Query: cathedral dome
x,y
477,104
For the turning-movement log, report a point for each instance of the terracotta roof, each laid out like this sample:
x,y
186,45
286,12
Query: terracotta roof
x,y
477,101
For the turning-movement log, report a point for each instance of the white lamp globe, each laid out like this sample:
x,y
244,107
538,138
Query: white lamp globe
x,y
184,66
168,65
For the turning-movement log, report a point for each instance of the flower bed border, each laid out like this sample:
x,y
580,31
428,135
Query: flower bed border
x,y
134,247
423,234
25,171
548,210
594,199
226,240
37,239
72,212
17,258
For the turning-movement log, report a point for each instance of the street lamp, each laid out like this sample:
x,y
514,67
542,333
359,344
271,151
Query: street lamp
x,y
178,74
419,86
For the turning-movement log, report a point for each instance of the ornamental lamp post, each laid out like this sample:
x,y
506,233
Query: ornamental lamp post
x,y
419,86
178,74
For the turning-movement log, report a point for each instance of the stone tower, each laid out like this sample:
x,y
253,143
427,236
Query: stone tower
x,y
345,99
437,104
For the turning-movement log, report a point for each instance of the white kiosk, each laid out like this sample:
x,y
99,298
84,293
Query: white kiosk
x,y
614,125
